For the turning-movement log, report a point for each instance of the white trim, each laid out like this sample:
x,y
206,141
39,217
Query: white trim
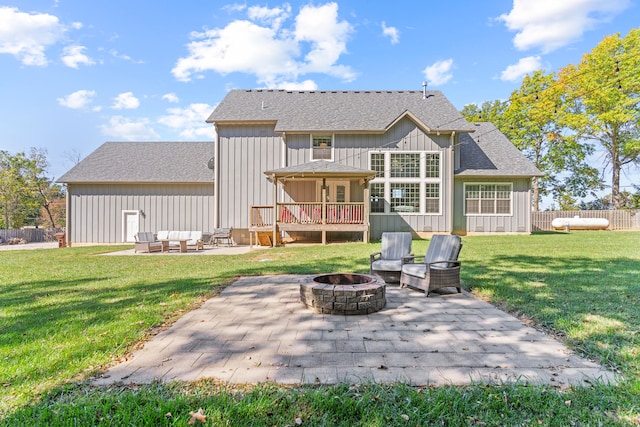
x,y
464,198
333,186
333,146
387,180
125,214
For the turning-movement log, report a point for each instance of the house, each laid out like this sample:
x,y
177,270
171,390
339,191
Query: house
x,y
125,187
312,164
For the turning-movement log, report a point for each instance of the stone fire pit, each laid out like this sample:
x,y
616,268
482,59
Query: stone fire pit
x,y
343,293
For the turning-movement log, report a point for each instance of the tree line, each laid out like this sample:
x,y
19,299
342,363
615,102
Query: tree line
x,y
27,196
559,120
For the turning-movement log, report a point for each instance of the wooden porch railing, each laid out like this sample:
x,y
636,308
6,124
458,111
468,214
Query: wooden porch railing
x,y
308,213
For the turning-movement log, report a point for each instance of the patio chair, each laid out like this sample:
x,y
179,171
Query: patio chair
x,y
146,241
439,269
220,235
387,264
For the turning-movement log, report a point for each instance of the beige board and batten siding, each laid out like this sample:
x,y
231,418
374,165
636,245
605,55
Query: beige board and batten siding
x,y
519,221
353,150
96,209
246,151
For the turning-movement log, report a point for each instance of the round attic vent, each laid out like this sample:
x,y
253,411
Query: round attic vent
x,y
211,164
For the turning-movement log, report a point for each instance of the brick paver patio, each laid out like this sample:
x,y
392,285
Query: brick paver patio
x,y
257,330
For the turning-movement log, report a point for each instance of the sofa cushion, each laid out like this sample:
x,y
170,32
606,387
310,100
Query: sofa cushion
x,y
418,270
163,235
386,265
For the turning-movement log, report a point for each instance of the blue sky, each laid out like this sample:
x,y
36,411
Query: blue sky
x,y
77,73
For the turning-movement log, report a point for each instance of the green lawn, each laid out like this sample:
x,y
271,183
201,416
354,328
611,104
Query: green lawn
x,y
67,313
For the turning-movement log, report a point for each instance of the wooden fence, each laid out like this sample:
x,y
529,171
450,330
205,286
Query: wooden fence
x,y
31,234
618,219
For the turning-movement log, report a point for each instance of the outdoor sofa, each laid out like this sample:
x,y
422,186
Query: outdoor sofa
x,y
147,242
182,240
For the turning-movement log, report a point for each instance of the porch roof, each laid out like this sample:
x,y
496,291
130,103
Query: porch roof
x,y
321,168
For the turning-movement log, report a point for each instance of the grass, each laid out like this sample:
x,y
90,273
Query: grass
x,y
66,314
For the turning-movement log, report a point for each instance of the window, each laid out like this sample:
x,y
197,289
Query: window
x,y
405,197
321,147
377,164
405,165
407,182
432,198
488,199
376,191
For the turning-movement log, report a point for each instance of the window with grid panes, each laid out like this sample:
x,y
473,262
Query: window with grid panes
x,y
405,165
376,192
377,164
432,165
405,197
432,198
405,180
488,199
321,147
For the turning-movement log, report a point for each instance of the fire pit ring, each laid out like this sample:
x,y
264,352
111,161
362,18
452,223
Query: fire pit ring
x,y
344,293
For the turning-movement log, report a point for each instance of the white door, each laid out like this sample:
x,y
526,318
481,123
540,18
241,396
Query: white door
x,y
337,191
130,225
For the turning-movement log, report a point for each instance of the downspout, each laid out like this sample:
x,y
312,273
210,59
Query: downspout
x,y
216,177
453,184
66,216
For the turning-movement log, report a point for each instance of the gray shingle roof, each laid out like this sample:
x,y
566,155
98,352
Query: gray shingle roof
x,y
488,152
339,111
321,167
180,162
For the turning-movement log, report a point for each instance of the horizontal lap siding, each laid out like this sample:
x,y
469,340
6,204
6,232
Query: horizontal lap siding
x,y
95,210
245,153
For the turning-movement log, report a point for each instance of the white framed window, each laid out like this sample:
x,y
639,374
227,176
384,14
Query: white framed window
x,y
406,182
488,199
322,147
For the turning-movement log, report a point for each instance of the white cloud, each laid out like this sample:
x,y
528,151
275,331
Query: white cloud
x,y
171,97
130,130
78,100
27,35
119,55
73,56
273,54
524,66
273,17
552,24
391,32
125,101
305,85
328,38
439,73
190,121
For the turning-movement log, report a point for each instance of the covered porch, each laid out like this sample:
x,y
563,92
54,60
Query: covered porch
x,y
319,196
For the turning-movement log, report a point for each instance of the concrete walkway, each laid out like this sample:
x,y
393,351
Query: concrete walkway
x,y
257,330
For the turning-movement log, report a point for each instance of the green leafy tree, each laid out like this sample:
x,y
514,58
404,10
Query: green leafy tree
x,y
25,189
43,190
535,112
604,93
489,111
